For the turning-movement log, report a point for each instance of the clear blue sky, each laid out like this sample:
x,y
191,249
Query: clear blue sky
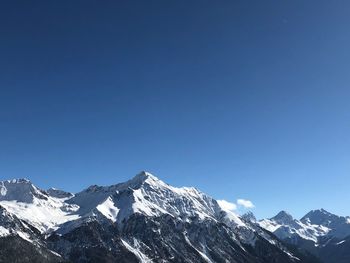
x,y
242,99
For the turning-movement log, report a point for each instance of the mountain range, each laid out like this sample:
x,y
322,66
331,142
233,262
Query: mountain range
x,y
319,232
146,220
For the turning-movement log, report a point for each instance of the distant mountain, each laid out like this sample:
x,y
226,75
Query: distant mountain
x,y
319,232
141,220
339,226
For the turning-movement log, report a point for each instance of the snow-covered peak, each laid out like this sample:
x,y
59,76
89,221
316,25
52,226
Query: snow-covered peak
x,y
145,175
19,181
20,190
339,226
153,197
285,226
249,216
146,194
31,204
141,179
313,226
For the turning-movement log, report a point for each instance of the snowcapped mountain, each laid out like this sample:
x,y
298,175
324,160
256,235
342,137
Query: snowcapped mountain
x,y
141,220
319,232
147,195
31,204
284,226
339,226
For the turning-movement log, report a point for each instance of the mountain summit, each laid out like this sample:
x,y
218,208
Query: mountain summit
x,y
21,190
283,217
320,217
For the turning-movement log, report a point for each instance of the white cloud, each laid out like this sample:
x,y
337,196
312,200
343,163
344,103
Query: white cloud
x,y
240,205
245,203
228,206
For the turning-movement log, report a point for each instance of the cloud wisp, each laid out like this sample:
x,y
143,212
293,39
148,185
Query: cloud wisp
x,y
225,205
245,203
241,203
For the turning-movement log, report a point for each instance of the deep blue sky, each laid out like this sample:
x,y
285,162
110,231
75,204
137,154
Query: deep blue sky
x,y
242,99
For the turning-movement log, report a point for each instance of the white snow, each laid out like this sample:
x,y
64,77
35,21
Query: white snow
x,y
155,198
204,256
146,194
108,209
45,215
23,199
291,255
341,242
234,219
24,236
4,232
286,229
3,189
143,206
269,225
55,253
231,217
136,251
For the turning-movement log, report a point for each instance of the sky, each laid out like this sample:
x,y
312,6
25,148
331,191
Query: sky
x,y
242,99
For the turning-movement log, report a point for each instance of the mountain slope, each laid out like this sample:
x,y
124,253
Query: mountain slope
x,y
339,226
29,203
21,242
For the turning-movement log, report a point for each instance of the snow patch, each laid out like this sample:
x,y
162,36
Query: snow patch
x,y
43,214
269,225
4,232
136,251
3,189
341,242
204,256
108,209
24,236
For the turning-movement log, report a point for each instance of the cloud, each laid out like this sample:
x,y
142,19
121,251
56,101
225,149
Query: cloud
x,y
228,206
240,205
245,203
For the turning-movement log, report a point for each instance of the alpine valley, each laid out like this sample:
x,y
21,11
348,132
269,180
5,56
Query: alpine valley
x,y
147,220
